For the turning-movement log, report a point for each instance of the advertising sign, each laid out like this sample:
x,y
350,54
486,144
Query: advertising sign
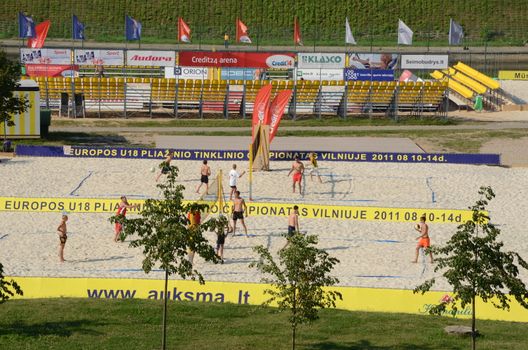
x,y
351,74
90,57
52,70
424,61
45,56
187,73
372,60
321,60
513,74
151,58
237,59
320,74
239,74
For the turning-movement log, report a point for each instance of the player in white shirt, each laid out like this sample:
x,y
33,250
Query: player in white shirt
x,y
233,177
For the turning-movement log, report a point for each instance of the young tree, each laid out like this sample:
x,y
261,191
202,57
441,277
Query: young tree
x,y
298,279
7,288
474,264
9,104
164,232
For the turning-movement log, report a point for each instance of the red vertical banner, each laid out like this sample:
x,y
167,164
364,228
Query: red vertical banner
x,y
276,111
184,31
41,32
260,107
242,35
297,32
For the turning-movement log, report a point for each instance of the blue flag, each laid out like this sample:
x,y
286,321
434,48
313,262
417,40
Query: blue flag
x,y
26,26
132,29
78,29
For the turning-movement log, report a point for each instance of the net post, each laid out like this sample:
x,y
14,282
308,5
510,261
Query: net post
x,y
220,193
250,172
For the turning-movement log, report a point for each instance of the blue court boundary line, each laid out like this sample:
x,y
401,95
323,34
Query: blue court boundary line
x,y
72,193
433,194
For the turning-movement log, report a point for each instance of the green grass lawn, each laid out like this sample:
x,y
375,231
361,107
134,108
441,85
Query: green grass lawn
x,y
135,324
211,123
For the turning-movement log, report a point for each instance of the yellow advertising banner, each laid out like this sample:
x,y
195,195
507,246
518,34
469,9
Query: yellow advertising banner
x,y
316,211
513,75
354,299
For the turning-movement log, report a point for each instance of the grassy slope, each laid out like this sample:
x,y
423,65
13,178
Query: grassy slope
x,y
321,21
135,324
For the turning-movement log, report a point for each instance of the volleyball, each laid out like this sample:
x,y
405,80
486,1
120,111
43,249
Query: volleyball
x,y
153,169
417,227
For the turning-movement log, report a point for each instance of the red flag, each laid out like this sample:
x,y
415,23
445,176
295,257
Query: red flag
x,y
184,32
41,32
297,32
276,111
241,32
261,107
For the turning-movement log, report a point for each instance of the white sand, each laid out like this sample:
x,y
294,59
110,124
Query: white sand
x,y
28,241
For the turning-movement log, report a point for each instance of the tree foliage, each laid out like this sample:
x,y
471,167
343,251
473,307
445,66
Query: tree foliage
x,y
474,264
9,77
8,288
166,235
298,279
162,230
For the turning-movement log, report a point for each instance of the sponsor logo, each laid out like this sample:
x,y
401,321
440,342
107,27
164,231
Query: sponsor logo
x,y
151,58
112,53
446,299
351,75
322,59
280,61
70,73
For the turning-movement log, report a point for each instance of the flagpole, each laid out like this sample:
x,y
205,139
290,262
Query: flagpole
x,y
429,35
126,38
73,31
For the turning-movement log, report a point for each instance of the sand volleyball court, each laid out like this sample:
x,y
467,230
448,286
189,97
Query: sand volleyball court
x,y
372,253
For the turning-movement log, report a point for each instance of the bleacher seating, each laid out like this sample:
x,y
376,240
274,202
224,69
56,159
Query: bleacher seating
x,y
237,97
467,83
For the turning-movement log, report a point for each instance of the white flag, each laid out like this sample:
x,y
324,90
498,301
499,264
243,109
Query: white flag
x,y
349,38
405,34
456,33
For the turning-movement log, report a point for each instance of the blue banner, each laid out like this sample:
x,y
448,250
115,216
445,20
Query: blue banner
x,y
242,155
353,74
238,74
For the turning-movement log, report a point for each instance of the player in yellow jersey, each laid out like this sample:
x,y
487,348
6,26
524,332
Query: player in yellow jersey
x,y
314,167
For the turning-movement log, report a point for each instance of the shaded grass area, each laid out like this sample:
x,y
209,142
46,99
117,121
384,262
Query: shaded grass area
x,y
135,324
360,121
60,138
455,141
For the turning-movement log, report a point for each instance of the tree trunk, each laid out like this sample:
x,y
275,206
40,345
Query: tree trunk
x,y
164,331
293,337
294,311
473,334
